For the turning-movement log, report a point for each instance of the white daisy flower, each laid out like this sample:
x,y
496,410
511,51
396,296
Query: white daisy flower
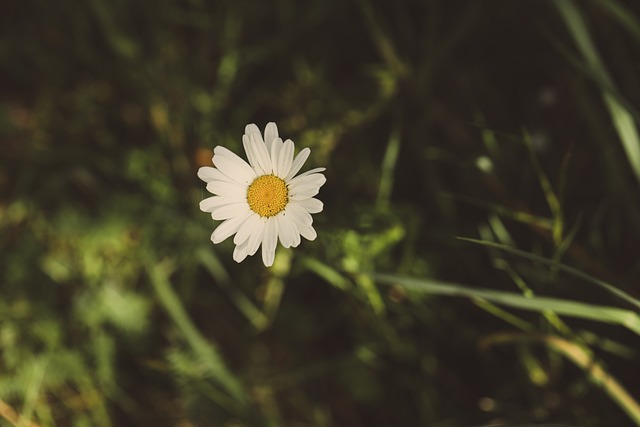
x,y
262,201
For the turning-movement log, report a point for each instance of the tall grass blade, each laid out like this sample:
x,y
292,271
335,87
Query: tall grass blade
x,y
388,167
204,349
563,307
624,16
216,269
622,118
563,267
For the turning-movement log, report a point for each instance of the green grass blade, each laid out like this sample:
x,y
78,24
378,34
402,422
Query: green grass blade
x,y
204,349
620,115
575,272
327,272
388,167
624,17
552,200
598,313
215,268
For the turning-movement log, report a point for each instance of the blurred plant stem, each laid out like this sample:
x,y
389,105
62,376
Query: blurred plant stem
x,y
205,350
388,167
561,267
10,414
582,357
218,272
621,116
275,285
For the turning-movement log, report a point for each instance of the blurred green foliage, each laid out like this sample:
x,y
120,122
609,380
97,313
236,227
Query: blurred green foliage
x,y
514,123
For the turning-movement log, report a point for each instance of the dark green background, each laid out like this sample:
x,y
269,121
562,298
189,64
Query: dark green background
x,y
116,309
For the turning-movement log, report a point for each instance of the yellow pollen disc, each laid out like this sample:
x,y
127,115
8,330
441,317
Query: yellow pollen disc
x,y
268,195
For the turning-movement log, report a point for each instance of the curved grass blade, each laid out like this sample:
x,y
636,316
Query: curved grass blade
x,y
205,350
621,116
599,313
563,267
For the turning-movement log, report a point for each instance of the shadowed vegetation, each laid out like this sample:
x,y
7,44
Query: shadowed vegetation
x,y
477,259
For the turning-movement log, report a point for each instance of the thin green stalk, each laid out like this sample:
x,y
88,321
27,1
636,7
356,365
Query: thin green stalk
x,y
562,307
575,272
622,118
388,168
275,285
213,265
557,229
204,349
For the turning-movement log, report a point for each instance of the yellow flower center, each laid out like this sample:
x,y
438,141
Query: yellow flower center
x,y
268,195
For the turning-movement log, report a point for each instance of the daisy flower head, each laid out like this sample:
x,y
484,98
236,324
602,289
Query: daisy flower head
x,y
262,201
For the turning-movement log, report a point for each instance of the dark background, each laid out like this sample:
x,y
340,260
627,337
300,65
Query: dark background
x,y
435,119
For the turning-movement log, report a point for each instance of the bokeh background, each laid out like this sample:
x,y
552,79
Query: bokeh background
x,y
510,122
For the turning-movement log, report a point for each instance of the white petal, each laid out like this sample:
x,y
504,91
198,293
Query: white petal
x,y
296,235
286,231
296,213
227,189
307,232
302,157
284,160
276,146
228,227
247,229
224,151
252,129
206,173
233,166
270,132
316,179
261,154
314,170
213,174
256,238
269,242
230,211
252,135
240,252
230,168
312,205
252,155
268,257
303,192
248,149
213,202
